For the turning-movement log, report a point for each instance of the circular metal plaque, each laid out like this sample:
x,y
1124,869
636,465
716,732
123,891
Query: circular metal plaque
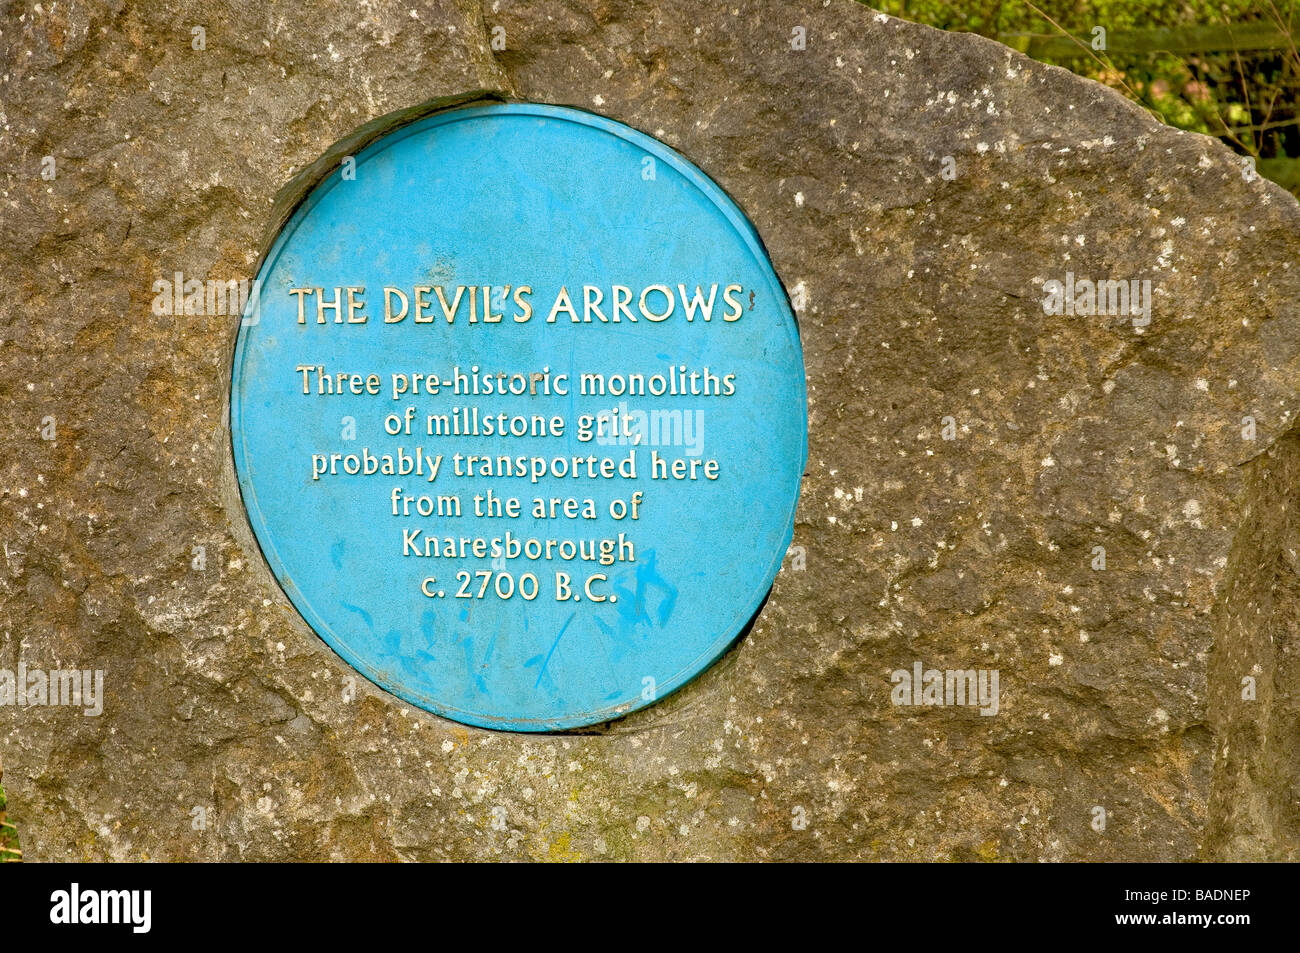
x,y
519,416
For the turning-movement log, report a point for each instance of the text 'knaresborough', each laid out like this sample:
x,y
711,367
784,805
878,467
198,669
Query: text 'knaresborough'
x,y
493,304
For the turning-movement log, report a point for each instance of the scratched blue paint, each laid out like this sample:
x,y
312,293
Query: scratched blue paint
x,y
545,196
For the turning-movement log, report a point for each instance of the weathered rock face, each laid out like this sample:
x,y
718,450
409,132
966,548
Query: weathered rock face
x,y
916,190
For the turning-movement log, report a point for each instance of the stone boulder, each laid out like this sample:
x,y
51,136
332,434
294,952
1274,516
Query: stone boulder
x,y
972,456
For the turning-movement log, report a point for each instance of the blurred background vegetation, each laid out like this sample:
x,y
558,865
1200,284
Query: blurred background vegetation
x,y
9,850
1226,68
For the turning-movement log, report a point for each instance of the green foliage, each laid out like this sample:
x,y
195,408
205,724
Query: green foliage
x,y
1229,68
9,850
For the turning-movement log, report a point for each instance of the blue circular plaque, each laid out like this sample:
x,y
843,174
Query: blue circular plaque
x,y
518,416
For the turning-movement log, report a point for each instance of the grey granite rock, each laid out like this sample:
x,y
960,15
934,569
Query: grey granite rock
x,y
921,299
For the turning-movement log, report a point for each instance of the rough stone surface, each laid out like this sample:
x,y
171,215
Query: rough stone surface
x,y
1119,688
